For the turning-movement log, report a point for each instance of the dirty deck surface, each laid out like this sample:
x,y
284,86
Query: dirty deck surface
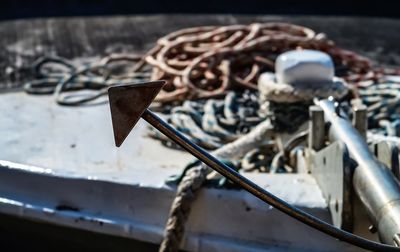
x,y
63,143
79,142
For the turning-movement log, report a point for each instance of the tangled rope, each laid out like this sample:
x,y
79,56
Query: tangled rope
x,y
205,62
194,177
353,68
382,99
187,191
209,62
200,62
79,84
212,123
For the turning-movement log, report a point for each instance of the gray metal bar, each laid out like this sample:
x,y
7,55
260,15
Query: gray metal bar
x,y
360,120
316,128
377,188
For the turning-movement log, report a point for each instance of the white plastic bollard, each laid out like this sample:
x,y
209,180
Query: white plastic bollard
x,y
304,66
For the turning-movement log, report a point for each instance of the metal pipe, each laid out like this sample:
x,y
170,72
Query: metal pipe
x,y
360,119
374,183
316,128
259,192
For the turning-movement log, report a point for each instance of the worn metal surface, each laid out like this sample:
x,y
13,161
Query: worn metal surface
x,y
360,119
388,154
373,182
128,103
316,128
331,168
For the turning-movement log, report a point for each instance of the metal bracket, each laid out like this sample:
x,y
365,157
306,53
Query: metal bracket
x,y
388,154
331,167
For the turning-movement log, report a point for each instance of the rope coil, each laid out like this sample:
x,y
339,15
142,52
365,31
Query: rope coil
x,y
200,62
209,62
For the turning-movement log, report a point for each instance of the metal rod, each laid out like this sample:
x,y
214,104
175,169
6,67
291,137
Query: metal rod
x,y
259,192
374,183
360,119
316,128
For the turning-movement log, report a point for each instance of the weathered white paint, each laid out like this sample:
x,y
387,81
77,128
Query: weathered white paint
x,y
79,142
58,156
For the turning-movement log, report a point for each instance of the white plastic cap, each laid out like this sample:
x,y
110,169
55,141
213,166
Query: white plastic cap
x,y
304,66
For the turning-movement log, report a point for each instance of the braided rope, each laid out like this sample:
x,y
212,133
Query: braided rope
x,y
212,123
187,191
205,62
199,62
194,177
77,84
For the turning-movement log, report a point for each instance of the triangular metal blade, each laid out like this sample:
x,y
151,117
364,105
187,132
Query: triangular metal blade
x,y
127,104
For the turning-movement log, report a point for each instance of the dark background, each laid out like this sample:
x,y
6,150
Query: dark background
x,y
16,9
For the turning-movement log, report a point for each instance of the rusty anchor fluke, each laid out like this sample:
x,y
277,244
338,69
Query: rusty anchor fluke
x,y
130,102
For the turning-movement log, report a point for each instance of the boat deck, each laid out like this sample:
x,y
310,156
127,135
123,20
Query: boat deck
x,y
79,142
59,164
